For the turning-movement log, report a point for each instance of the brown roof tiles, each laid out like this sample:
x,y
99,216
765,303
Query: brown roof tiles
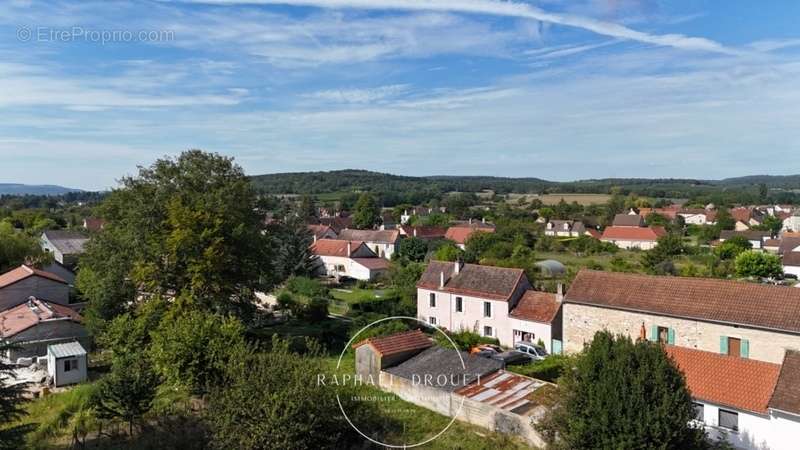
x,y
536,306
787,390
740,383
733,302
398,343
22,272
497,283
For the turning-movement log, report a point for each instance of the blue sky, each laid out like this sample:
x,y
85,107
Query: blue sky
x,y
548,88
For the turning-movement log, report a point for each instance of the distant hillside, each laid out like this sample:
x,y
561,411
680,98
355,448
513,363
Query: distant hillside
x,y
395,189
34,189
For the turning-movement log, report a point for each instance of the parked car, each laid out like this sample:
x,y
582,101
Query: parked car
x,y
512,357
486,348
533,351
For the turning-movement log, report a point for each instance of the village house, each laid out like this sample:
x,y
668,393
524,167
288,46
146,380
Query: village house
x,y
93,224
752,404
483,299
66,246
352,259
322,232
564,228
735,318
459,234
791,263
427,233
633,237
419,212
383,242
698,216
792,223
18,285
35,324
755,237
631,219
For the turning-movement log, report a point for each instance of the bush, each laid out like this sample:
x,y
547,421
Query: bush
x,y
550,369
758,264
306,287
464,339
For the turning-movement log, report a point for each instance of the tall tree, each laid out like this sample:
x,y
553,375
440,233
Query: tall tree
x,y
623,395
128,391
183,226
367,213
17,248
751,263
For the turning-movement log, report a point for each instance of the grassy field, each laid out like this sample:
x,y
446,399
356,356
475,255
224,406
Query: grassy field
x,y
552,199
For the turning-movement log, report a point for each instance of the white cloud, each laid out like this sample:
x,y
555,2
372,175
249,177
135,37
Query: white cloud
x,y
360,95
502,8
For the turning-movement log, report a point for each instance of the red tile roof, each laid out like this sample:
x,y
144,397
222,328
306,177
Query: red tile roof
x,y
787,391
626,233
26,315
740,383
536,306
741,214
373,263
725,301
320,230
398,343
334,247
424,232
460,234
594,233
496,283
22,272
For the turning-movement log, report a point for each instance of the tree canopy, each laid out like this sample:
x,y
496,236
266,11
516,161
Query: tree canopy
x,y
185,226
624,395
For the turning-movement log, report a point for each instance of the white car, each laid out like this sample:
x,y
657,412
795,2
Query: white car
x,y
532,351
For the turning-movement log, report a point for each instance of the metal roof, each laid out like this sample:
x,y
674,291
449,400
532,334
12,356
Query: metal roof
x,y
66,350
504,390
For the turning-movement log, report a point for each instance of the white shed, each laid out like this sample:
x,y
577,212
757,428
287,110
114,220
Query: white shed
x,y
66,363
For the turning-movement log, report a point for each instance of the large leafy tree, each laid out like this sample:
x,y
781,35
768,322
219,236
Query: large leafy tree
x,y
183,226
273,400
291,241
128,391
623,395
751,263
367,213
17,248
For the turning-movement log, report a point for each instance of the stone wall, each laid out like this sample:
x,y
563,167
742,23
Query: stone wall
x,y
470,411
581,322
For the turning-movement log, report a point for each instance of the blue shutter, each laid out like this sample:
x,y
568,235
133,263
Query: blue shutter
x,y
744,349
654,333
723,345
671,337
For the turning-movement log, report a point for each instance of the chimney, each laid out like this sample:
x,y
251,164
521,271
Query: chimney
x,y
441,279
415,231
470,220
483,219
457,265
315,237
560,292
349,249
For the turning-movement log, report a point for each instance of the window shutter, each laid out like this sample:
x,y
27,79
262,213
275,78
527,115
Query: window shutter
x,y
671,337
654,333
723,345
744,349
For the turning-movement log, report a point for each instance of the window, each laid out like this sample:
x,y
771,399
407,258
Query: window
x,y
699,412
734,346
729,420
487,309
432,320
459,304
487,331
433,300
663,335
70,364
